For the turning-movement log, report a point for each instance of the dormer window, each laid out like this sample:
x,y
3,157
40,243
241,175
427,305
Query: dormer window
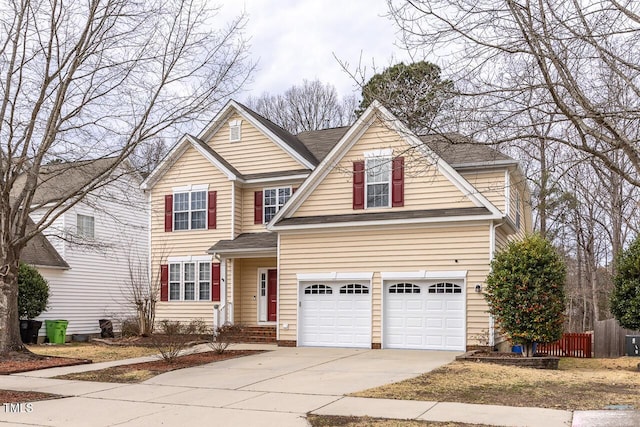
x,y
235,130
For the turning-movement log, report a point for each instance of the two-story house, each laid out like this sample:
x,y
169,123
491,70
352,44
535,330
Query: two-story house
x,y
94,252
362,236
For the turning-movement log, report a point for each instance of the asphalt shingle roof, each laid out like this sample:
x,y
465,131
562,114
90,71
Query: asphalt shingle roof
x,y
291,140
320,142
41,253
247,242
456,149
388,215
60,180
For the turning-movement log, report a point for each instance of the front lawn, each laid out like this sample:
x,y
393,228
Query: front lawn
x,y
95,353
579,384
139,372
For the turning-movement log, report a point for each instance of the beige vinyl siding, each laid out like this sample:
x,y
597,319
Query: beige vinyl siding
x,y
502,239
246,288
238,211
190,169
422,247
424,186
254,153
490,184
519,186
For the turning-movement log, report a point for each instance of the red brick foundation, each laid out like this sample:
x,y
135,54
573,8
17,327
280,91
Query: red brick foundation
x,y
287,343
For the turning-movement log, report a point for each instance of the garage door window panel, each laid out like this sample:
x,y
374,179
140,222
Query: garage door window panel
x,y
445,288
404,288
318,290
354,288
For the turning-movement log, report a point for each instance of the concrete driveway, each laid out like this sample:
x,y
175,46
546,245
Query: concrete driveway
x,y
273,388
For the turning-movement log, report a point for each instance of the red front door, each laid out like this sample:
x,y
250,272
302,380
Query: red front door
x,y
272,295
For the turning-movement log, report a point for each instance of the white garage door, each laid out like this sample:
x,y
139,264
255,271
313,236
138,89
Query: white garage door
x,y
335,315
424,315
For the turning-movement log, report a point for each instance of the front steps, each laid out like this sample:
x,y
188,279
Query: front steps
x,y
257,335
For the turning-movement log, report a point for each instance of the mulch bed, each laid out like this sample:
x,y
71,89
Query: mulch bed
x,y
120,374
16,362
538,361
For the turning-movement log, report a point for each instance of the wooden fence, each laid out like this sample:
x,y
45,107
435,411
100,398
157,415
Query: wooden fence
x,y
609,338
570,345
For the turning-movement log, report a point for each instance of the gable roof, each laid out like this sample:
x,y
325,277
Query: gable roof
x,y
58,180
285,140
284,135
351,136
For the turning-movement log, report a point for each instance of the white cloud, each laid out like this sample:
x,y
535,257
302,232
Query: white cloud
x,y
293,40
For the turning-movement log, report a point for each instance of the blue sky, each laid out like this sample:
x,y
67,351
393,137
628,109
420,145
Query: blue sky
x,y
294,40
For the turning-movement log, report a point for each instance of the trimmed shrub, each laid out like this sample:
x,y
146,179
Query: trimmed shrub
x,y
525,292
224,336
625,298
33,292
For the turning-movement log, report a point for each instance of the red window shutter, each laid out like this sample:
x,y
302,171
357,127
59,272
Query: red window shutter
x,y
215,282
397,182
164,282
211,210
358,185
293,190
257,207
168,212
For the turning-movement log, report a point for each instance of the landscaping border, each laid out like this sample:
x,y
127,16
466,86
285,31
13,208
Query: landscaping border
x,y
536,362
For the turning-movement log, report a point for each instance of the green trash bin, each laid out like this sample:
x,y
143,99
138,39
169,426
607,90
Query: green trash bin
x,y
56,330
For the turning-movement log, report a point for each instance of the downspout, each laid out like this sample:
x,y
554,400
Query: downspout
x,y
233,210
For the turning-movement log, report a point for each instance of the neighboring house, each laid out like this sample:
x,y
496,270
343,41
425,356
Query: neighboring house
x,y
363,236
88,254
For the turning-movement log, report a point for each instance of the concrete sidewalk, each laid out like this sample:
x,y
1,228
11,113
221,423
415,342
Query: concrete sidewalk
x,y
275,388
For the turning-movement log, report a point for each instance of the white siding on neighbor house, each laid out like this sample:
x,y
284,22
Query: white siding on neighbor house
x,y
95,286
54,231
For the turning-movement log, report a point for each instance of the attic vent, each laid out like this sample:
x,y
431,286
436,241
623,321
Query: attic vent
x,y
234,130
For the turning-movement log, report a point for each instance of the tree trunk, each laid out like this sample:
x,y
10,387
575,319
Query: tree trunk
x,y
527,349
9,321
542,196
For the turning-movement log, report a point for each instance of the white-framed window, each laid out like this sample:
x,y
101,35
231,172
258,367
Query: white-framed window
x,y
190,210
190,281
273,200
235,130
85,226
378,181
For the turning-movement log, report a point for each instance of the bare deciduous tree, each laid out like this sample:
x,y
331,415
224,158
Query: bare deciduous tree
x,y
576,62
311,106
94,79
